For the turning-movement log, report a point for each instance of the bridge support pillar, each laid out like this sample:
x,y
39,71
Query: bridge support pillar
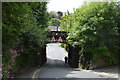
x,y
73,55
41,59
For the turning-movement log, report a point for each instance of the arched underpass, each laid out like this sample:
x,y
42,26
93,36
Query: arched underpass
x,y
56,68
55,65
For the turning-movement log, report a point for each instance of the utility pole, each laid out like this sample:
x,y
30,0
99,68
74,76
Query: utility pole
x,y
57,28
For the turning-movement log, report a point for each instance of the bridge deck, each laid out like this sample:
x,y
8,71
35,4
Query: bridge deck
x,y
58,36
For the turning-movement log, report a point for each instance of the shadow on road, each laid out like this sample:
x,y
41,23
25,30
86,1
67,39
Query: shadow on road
x,y
57,69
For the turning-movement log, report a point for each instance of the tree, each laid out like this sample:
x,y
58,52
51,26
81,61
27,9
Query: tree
x,y
41,14
60,14
53,14
94,27
54,18
23,34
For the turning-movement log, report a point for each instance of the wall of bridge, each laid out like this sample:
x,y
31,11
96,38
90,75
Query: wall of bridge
x,y
73,55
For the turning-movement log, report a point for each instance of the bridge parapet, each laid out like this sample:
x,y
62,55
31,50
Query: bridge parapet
x,y
58,36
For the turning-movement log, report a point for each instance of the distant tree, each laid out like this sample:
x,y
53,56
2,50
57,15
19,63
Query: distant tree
x,y
54,22
53,14
60,14
54,18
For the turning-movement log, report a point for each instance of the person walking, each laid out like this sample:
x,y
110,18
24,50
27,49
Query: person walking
x,y
66,59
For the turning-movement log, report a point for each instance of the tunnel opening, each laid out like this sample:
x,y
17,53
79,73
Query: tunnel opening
x,y
59,45
55,55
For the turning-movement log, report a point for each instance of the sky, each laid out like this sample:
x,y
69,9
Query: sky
x,y
64,5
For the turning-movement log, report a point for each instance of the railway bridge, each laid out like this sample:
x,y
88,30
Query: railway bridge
x,y
60,37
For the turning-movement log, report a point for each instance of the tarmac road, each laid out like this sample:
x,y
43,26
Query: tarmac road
x,y
56,68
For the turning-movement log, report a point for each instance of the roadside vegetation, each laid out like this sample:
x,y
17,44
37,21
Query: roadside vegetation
x,y
24,35
95,28
93,31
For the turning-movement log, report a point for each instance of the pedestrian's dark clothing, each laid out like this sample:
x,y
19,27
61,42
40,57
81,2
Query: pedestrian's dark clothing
x,y
66,59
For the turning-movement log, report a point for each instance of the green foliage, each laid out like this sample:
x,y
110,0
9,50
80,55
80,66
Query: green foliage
x,y
54,18
54,22
41,14
53,14
63,46
95,28
23,29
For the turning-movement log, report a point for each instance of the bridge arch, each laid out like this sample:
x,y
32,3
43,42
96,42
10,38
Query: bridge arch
x,y
73,51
